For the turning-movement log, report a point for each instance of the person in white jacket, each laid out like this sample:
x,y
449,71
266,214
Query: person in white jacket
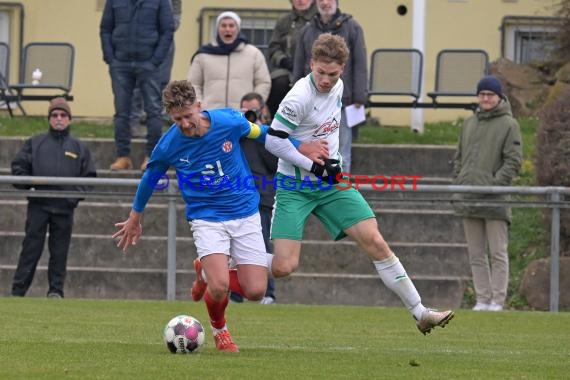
x,y
226,69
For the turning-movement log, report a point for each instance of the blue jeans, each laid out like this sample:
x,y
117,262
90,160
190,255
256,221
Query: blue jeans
x,y
124,77
164,69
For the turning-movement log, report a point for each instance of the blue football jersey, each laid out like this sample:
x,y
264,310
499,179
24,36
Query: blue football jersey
x,y
213,175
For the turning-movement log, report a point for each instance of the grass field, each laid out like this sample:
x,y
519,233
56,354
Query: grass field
x,y
95,339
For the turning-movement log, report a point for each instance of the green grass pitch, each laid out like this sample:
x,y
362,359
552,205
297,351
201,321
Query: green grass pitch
x,y
97,339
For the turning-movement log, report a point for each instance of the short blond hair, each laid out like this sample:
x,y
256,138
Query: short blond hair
x,y
179,93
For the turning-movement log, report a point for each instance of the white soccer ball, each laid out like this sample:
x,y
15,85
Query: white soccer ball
x,y
184,334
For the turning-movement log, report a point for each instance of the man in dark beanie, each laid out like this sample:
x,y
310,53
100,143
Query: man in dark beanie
x,y
489,153
52,154
490,83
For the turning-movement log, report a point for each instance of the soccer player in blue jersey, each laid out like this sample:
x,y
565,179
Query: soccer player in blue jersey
x,y
221,204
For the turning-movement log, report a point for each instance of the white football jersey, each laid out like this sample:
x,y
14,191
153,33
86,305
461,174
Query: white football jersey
x,y
307,114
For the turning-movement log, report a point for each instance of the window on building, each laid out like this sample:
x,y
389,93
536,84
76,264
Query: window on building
x,y
527,39
256,24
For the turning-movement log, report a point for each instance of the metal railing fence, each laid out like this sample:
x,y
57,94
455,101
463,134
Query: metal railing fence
x,y
555,198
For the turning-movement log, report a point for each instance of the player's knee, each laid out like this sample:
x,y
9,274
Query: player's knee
x,y
217,290
255,294
375,245
284,268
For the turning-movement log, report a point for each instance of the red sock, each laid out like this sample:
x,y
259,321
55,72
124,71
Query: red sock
x,y
235,286
216,310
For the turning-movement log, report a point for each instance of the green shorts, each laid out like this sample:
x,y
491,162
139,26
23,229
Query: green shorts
x,y
336,209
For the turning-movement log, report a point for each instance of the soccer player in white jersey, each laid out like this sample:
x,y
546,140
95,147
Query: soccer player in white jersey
x,y
310,111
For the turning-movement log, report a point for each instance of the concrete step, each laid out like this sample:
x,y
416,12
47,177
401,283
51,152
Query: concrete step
x,y
410,226
102,150
99,218
100,251
329,273
425,160
440,293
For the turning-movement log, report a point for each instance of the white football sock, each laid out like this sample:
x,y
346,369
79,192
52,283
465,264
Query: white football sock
x,y
394,276
216,331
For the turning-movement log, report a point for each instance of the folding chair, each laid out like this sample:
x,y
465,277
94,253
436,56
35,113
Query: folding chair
x,y
55,60
458,71
6,95
396,72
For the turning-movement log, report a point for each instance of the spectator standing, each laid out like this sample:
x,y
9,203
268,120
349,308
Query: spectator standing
x,y
52,154
489,153
263,166
137,115
223,71
330,19
135,39
282,49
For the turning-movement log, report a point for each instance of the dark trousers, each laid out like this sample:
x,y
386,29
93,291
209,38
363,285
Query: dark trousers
x,y
164,70
37,223
125,76
265,214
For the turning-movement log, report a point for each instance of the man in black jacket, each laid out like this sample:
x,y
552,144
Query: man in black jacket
x,y
263,166
52,154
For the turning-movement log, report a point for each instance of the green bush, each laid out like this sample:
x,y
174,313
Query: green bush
x,y
553,156
562,51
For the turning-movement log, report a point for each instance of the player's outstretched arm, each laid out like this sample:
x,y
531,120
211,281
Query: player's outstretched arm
x,y
129,231
316,150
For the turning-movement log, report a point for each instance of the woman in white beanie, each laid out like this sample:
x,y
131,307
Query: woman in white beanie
x,y
226,69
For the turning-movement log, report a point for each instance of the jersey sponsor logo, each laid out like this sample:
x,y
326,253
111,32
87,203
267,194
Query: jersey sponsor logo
x,y
289,112
326,128
186,160
227,146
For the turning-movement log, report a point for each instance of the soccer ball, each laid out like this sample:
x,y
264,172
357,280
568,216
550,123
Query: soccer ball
x,y
183,334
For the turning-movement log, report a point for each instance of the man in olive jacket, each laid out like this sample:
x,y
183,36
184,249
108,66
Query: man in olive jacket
x,y
489,153
282,49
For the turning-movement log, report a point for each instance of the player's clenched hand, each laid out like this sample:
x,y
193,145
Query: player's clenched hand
x,y
129,231
317,150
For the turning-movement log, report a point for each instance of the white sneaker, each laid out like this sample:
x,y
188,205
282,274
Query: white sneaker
x,y
480,306
267,301
495,307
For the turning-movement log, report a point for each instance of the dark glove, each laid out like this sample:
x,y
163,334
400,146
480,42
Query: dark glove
x,y
331,168
286,63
